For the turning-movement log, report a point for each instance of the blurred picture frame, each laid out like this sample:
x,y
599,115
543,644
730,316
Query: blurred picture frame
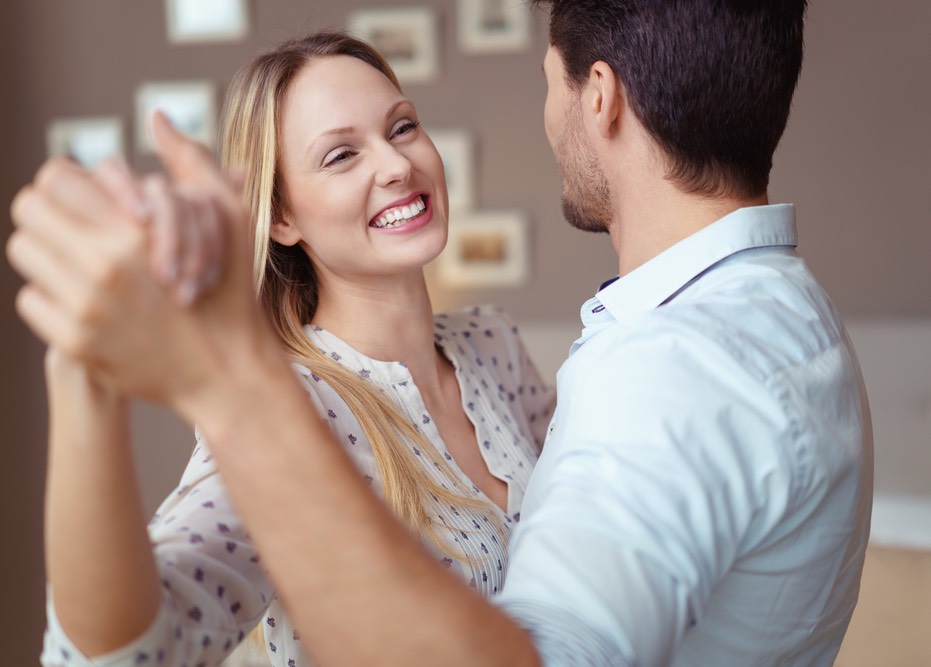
x,y
406,36
204,21
87,140
456,148
485,249
493,26
190,106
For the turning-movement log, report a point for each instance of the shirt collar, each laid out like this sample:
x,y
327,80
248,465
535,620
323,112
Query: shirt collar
x,y
382,372
654,282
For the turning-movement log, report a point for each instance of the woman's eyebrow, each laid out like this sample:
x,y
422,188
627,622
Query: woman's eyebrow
x,y
349,129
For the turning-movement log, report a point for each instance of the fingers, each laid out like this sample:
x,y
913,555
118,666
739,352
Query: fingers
x,y
45,318
120,182
37,263
208,268
74,190
187,239
165,249
62,235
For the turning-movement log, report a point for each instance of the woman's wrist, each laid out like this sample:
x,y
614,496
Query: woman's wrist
x,y
72,385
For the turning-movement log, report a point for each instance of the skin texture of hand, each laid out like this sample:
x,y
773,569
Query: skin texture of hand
x,y
186,237
89,287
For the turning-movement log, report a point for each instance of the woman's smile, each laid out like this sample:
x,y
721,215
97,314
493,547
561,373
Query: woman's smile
x,y
405,216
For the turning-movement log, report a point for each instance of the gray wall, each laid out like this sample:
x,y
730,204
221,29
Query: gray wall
x,y
856,158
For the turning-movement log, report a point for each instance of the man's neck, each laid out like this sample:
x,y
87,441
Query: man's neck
x,y
657,218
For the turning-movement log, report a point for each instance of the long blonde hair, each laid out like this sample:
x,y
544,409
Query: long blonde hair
x,y
287,286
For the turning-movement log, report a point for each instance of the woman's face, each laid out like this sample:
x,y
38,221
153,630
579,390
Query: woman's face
x,y
364,189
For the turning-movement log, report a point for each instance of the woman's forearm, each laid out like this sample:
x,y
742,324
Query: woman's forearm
x,y
98,557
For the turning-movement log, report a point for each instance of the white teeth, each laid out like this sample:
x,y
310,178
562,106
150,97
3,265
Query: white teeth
x,y
395,217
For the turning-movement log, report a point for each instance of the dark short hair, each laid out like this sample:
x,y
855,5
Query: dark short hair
x,y
711,80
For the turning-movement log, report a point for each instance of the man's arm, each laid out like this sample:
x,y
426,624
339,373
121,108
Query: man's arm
x,y
356,583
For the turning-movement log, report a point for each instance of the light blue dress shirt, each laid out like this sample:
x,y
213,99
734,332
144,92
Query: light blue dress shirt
x,y
703,498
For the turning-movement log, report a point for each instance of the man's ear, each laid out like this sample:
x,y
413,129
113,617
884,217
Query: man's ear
x,y
606,99
284,231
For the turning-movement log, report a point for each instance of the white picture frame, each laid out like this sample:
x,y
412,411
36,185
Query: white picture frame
x,y
190,106
493,26
456,148
200,21
485,249
405,36
87,140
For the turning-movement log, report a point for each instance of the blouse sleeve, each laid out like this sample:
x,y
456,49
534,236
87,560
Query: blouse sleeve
x,y
213,587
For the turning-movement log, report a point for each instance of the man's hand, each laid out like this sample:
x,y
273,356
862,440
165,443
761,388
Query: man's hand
x,y
84,251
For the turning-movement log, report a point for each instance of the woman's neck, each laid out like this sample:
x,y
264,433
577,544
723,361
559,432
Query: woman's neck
x,y
388,321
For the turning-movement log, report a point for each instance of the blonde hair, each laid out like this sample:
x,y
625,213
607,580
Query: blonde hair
x,y
287,285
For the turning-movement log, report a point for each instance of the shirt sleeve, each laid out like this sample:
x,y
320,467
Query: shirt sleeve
x,y
641,501
214,589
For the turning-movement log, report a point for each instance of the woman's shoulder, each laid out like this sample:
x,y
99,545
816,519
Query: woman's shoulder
x,y
483,320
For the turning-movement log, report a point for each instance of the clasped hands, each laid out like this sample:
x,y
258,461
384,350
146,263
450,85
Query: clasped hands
x,y
144,281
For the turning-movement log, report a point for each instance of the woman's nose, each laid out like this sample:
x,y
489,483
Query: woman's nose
x,y
392,166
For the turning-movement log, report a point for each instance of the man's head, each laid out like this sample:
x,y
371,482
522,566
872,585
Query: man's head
x,y
711,81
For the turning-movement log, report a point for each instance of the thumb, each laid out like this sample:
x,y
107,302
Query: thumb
x,y
185,160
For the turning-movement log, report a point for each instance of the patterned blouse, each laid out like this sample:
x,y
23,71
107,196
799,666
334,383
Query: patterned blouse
x,y
215,589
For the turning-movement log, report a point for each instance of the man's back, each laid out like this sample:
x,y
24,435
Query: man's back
x,y
712,437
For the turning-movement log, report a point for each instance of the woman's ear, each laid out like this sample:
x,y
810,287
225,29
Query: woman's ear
x,y
606,99
284,231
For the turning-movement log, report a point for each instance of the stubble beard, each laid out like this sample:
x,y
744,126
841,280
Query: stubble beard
x,y
586,193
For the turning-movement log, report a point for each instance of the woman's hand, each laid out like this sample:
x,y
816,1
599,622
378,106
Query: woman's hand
x,y
186,238
90,290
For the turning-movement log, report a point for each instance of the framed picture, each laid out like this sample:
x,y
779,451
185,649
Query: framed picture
x,y
190,105
493,26
405,36
191,21
455,147
86,140
485,249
